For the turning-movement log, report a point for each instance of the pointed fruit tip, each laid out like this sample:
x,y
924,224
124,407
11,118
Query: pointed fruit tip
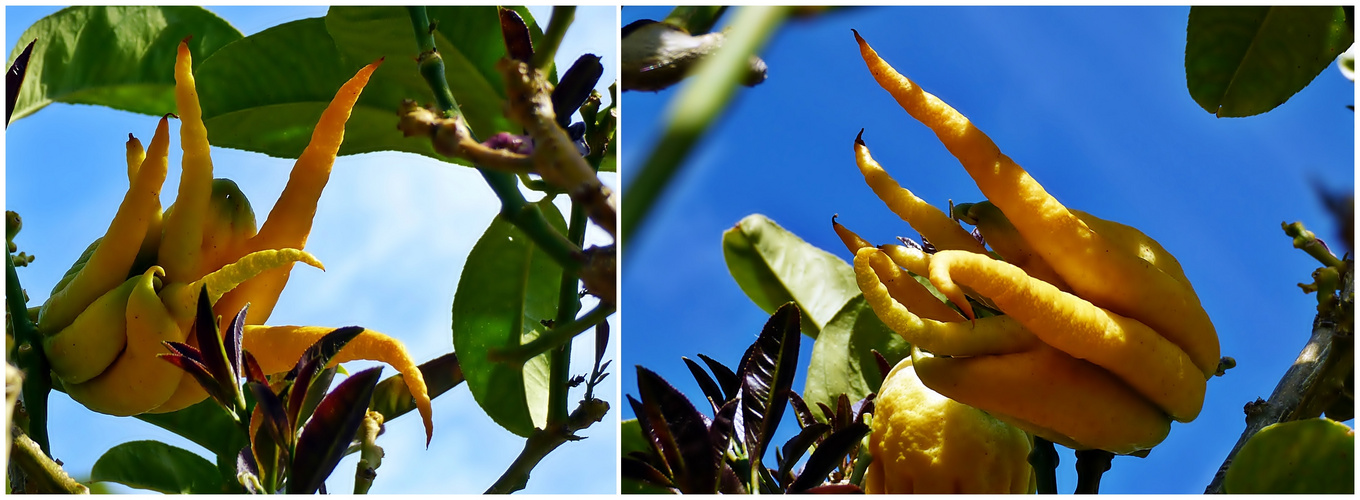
x,y
859,138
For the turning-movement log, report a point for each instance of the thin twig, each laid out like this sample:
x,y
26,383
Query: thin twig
x,y
562,17
42,472
559,335
1299,394
514,207
544,441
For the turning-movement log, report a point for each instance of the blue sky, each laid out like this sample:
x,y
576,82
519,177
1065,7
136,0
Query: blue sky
x,y
1091,101
393,245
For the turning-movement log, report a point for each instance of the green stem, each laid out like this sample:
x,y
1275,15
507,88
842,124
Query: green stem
x,y
516,209
695,19
696,107
1044,459
28,358
568,304
1306,241
544,441
560,334
562,17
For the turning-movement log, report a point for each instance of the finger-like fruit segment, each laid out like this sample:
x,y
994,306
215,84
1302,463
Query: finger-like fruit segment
x,y
1150,364
89,344
138,380
931,222
993,335
1044,386
290,221
277,349
923,442
179,252
1096,269
1007,242
901,286
111,260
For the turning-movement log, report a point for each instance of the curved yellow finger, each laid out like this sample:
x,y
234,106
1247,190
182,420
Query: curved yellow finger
x,y
993,335
278,348
1007,242
112,259
933,224
1088,262
1082,402
179,252
1149,363
135,155
290,221
1133,241
138,381
93,341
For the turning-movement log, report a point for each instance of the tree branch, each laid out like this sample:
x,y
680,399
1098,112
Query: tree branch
x,y
1308,387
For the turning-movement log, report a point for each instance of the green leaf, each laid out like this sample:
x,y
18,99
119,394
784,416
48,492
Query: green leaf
x,y
1300,457
156,466
842,357
1243,61
266,92
631,438
121,57
774,266
205,424
507,287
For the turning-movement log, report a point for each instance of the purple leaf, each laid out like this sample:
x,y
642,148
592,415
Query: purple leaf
x,y
518,45
210,344
800,409
767,374
271,408
694,463
829,455
232,343
725,377
706,384
796,446
329,432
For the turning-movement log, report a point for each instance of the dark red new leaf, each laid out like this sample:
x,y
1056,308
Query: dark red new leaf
x,y
828,456
518,45
685,431
767,374
329,432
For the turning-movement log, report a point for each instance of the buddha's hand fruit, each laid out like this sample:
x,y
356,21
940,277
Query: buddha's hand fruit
x,y
1092,310
137,286
923,442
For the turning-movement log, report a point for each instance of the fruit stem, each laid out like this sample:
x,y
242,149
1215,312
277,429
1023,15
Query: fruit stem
x,y
1044,459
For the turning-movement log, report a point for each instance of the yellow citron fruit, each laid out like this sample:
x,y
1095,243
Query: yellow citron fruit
x,y
923,442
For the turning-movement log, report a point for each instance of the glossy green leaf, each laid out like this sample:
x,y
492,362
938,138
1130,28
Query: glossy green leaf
x,y
1246,60
842,358
156,466
266,92
774,266
203,423
116,56
507,287
1300,457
